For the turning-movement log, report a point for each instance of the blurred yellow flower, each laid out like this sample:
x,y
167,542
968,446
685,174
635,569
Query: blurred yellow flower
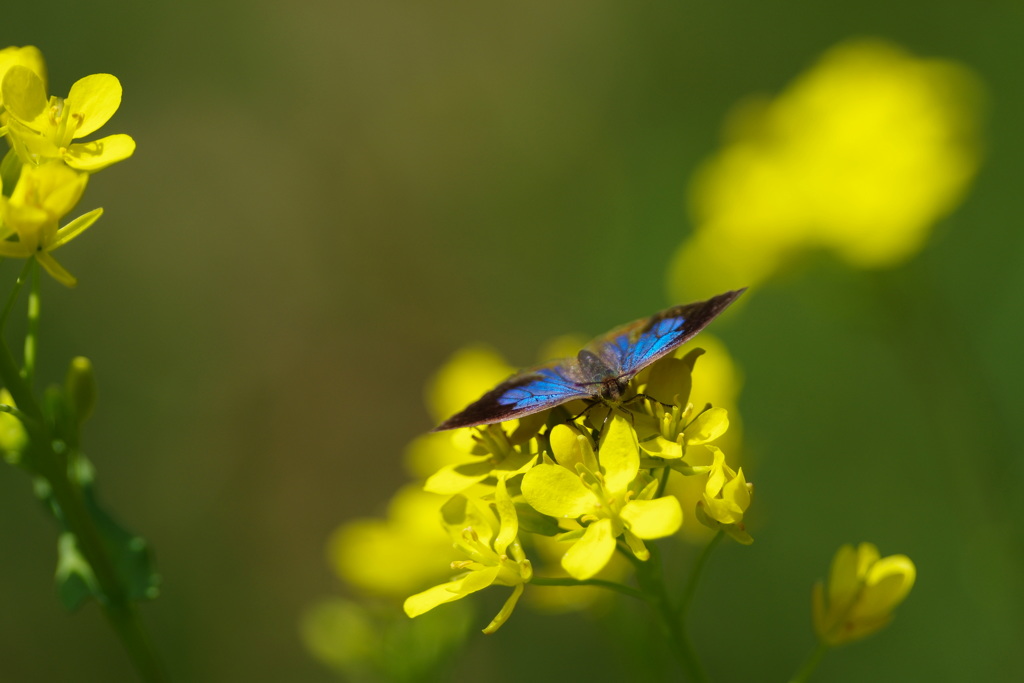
x,y
861,594
469,373
465,376
29,57
394,556
13,437
359,641
861,155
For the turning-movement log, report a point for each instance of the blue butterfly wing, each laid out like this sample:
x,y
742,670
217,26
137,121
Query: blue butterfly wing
x,y
630,348
525,393
624,352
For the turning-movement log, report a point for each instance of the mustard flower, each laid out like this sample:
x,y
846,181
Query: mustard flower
x,y
726,499
676,424
861,155
43,129
862,591
493,455
607,495
43,195
488,536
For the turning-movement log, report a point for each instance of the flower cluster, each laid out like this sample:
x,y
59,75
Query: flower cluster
x,y
45,172
595,486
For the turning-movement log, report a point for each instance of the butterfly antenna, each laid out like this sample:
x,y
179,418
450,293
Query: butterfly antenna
x,y
649,398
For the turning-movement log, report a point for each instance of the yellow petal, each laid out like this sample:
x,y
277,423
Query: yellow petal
x,y
421,603
592,552
660,447
509,528
708,426
24,94
98,154
457,478
28,56
95,98
569,447
555,491
75,228
55,269
619,454
653,518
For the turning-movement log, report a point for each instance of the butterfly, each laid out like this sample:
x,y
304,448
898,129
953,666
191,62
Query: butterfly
x,y
599,372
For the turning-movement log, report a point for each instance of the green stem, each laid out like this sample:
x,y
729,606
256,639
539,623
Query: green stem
x,y
22,417
663,476
651,579
32,335
600,583
698,569
810,664
117,606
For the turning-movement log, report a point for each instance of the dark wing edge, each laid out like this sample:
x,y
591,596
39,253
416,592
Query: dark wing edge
x,y
489,408
696,316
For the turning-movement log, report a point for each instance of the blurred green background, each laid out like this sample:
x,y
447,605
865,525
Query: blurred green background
x,y
328,198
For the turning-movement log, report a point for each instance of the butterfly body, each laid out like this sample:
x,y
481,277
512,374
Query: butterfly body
x,y
600,371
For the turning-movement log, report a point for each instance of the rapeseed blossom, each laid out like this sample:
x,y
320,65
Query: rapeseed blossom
x,y
862,591
46,170
43,196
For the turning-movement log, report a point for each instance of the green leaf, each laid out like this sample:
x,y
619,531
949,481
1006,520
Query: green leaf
x,y
75,580
129,553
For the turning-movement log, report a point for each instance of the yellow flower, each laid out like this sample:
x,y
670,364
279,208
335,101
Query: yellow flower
x,y
607,494
493,455
489,538
43,129
726,499
43,195
359,640
861,594
861,155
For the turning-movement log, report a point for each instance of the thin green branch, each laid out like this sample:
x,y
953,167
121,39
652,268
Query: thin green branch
x,y
698,569
810,664
116,604
600,583
32,335
22,417
663,475
651,578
